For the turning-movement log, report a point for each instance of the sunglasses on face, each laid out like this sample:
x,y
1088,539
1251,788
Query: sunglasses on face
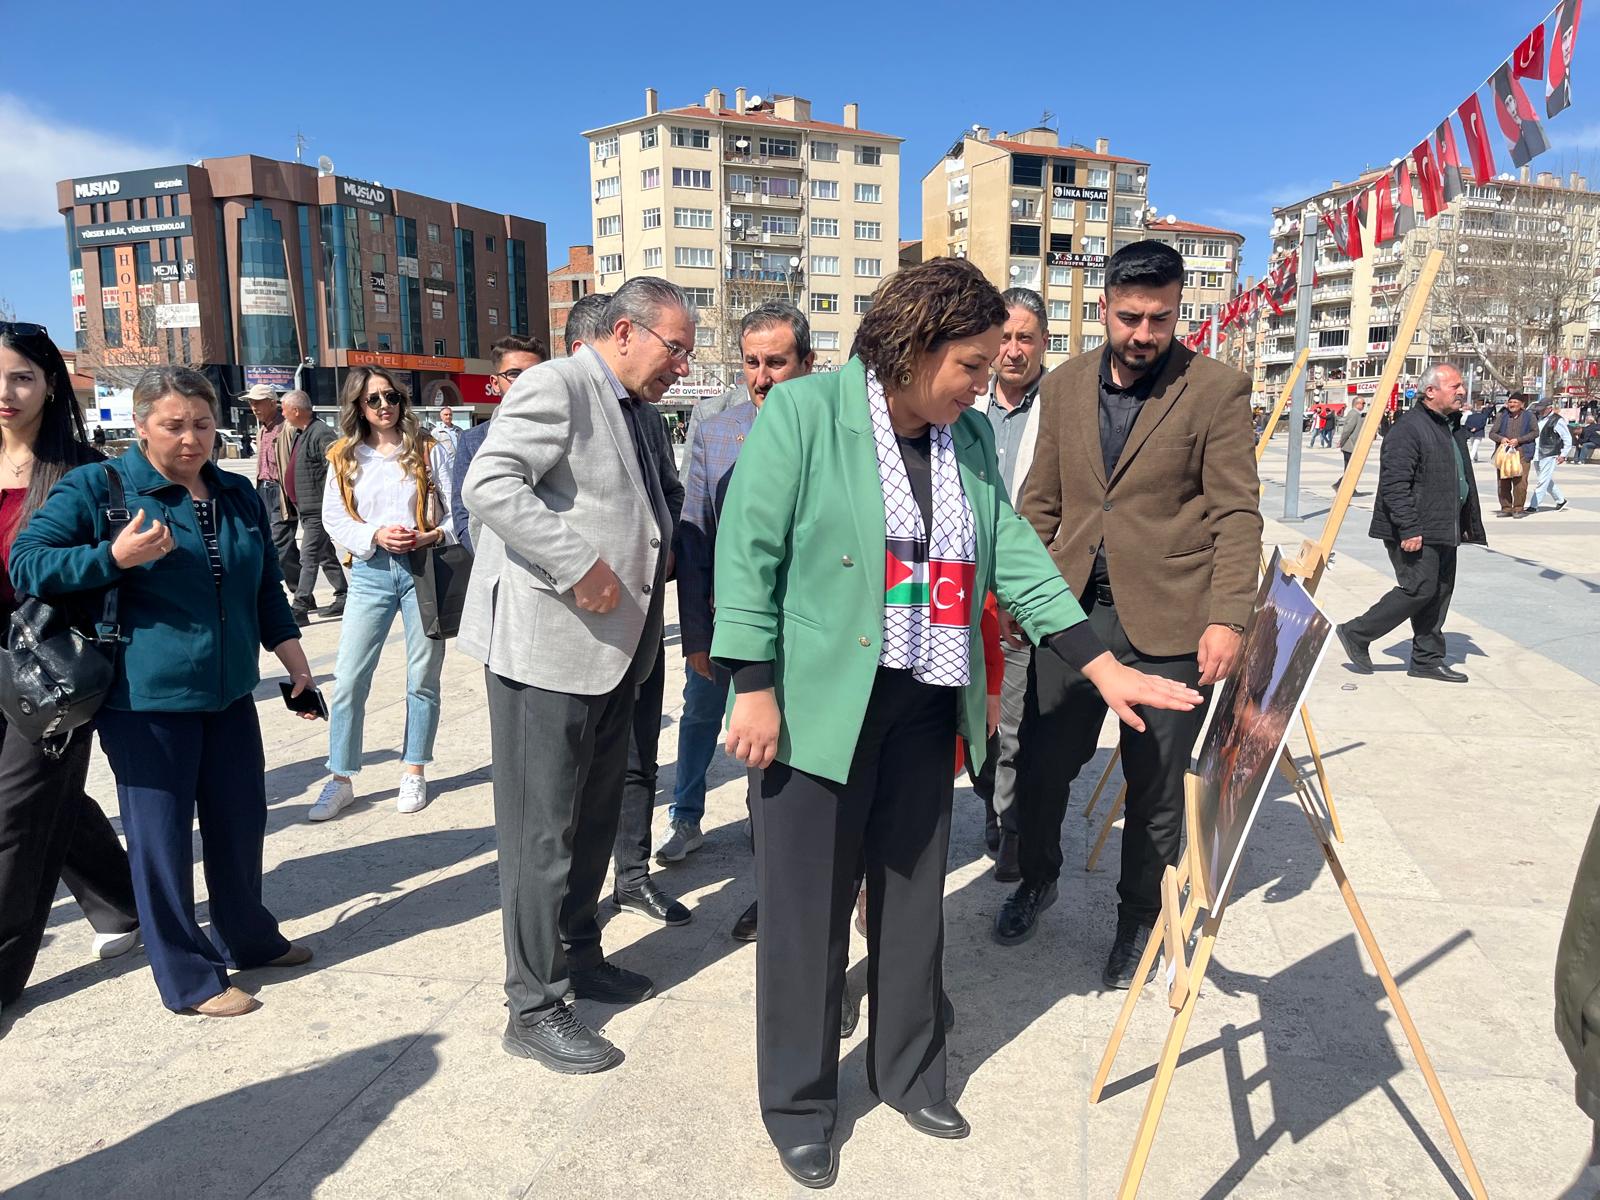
x,y
24,329
388,399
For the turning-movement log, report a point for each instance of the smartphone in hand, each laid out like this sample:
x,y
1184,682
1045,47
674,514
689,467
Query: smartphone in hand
x,y
308,701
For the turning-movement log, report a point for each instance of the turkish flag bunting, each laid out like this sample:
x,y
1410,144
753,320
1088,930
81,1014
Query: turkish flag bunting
x,y
1354,209
1566,364
1594,369
1517,118
1471,114
1334,219
1272,300
1527,61
1405,208
1566,36
1552,360
1382,213
1449,159
1429,182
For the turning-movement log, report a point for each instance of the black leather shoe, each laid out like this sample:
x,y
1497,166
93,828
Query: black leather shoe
x,y
744,929
1007,865
561,1042
849,1013
336,609
1441,672
1357,652
611,984
1020,913
302,616
1124,956
941,1120
812,1166
650,902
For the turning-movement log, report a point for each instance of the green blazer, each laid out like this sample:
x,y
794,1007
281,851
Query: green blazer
x,y
800,564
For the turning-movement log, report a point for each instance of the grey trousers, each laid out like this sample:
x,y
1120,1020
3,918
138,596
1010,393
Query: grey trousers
x,y
317,552
559,761
996,784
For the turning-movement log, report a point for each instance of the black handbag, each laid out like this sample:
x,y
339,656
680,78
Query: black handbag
x,y
56,668
440,575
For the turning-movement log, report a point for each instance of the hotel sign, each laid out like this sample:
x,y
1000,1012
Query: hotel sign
x,y
404,362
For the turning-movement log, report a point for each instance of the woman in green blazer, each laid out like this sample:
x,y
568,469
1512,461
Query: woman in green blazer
x,y
863,526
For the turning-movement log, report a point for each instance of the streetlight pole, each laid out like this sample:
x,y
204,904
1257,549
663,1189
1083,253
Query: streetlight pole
x,y
1302,340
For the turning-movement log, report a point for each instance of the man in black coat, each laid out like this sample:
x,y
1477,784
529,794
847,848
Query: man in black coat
x,y
304,473
1427,507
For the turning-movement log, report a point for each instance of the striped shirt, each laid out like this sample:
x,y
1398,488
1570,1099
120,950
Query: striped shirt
x,y
205,512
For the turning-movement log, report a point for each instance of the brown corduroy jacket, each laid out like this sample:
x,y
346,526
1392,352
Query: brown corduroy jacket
x,y
1180,516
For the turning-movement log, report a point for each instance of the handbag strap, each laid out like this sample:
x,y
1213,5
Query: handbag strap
x,y
116,516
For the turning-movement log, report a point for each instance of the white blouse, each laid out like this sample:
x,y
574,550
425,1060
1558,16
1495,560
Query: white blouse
x,y
385,495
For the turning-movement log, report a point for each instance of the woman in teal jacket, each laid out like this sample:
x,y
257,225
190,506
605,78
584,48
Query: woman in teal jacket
x,y
863,527
199,594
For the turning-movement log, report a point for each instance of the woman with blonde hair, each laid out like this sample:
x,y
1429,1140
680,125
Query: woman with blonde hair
x,y
385,497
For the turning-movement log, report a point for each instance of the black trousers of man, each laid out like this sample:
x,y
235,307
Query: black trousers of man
x,y
632,850
284,528
1425,579
317,553
558,769
811,833
1059,733
996,784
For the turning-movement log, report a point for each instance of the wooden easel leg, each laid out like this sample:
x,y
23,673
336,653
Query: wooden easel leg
x,y
1146,961
1322,773
1105,830
1105,778
1392,990
1169,1063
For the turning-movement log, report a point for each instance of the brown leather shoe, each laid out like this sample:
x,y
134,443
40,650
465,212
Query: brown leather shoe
x,y
295,956
231,1003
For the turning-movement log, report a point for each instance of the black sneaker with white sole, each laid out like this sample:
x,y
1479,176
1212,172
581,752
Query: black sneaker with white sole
x,y
561,1042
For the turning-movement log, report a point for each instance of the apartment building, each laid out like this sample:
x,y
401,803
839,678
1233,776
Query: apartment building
x,y
1210,266
745,201
569,283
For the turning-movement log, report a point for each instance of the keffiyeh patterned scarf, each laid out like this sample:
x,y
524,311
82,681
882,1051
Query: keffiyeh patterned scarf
x,y
929,575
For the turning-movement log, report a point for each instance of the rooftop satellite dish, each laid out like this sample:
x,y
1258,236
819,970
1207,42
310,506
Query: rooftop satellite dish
x,y
1171,220
324,165
976,127
753,102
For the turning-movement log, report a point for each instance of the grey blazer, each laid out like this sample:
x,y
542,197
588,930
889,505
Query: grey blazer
x,y
555,486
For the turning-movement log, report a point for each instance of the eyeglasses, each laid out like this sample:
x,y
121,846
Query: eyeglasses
x,y
389,399
24,329
509,376
679,353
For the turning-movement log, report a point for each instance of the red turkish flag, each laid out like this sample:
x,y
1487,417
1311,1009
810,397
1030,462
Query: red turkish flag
x,y
1353,209
1566,365
1527,60
1449,159
1471,114
1429,182
1405,208
950,587
1382,213
1594,369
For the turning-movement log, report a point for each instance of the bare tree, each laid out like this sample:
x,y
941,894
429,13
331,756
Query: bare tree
x,y
140,348
7,311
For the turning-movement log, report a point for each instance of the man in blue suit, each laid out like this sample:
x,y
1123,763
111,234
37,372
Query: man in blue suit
x,y
775,343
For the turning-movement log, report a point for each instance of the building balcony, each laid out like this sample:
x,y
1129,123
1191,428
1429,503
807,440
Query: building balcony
x,y
762,200
1277,356
1335,266
1339,323
755,236
737,158
760,275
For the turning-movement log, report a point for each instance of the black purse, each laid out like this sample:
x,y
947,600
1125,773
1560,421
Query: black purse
x,y
56,668
440,575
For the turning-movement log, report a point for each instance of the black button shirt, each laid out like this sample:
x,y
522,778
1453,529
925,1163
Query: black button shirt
x,y
1119,410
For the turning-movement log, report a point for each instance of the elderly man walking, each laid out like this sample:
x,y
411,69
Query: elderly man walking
x,y
1427,506
1552,445
304,471
1515,431
565,612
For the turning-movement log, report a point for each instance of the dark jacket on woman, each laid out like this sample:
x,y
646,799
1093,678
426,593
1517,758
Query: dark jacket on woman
x,y
1424,461
310,456
192,645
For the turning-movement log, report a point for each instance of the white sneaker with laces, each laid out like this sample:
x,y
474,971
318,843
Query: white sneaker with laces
x,y
112,945
413,794
683,839
335,796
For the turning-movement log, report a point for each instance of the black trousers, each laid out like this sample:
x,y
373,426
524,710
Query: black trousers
x,y
632,850
996,784
50,832
893,813
1425,579
558,768
1061,722
317,553
284,529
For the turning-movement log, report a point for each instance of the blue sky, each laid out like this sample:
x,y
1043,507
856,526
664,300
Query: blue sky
x,y
486,107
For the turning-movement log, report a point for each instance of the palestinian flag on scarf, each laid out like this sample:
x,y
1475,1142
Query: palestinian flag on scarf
x,y
905,573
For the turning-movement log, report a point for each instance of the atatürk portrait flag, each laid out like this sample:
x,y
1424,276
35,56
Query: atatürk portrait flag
x,y
1471,114
1566,36
1449,159
1518,120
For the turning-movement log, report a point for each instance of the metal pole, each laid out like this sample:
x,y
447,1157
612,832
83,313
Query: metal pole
x,y
1302,339
1472,369
1544,374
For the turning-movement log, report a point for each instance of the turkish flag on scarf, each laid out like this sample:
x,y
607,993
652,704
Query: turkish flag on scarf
x,y
1428,181
1517,118
1471,114
1449,159
1566,36
950,586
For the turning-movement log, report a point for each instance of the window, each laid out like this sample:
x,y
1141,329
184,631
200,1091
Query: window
x,y
433,233
779,223
869,156
436,308
1063,210
435,270
380,263
604,189
1185,312
438,347
374,221
605,147
1380,333
1186,246
1091,310
824,151
488,242
608,264
1127,216
1061,243
650,219
1189,277
695,139
1211,279
1025,240
1060,343
1063,172
648,138
691,218
1099,177
824,302
1024,274
871,268
825,227
1027,170
1095,277
693,256
779,147
774,185
1213,249
705,336
652,258
1094,245
490,278
1332,338
385,342
863,305
824,189
1061,277
686,177
741,184
1095,211
1060,310
1093,341
494,316
649,178
1127,182
869,231
824,339
958,189
824,264
608,226
869,193
701,297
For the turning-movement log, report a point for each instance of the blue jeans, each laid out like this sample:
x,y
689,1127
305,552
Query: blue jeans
x,y
699,729
1544,483
380,587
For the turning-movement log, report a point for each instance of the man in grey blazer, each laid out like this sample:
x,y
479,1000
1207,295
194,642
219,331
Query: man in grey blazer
x,y
565,612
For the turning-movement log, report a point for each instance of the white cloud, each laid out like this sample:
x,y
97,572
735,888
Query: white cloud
x,y
39,150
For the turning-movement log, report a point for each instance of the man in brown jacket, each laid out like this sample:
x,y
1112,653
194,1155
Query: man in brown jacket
x,y
1144,487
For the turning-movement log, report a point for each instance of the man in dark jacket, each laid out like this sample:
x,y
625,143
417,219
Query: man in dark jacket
x,y
1577,979
1515,427
1427,506
304,473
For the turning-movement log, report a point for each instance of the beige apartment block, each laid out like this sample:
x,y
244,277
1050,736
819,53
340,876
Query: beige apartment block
x,y
1210,271
1523,239
742,200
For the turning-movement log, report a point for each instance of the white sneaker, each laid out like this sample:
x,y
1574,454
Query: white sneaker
x,y
683,839
112,945
413,794
336,795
